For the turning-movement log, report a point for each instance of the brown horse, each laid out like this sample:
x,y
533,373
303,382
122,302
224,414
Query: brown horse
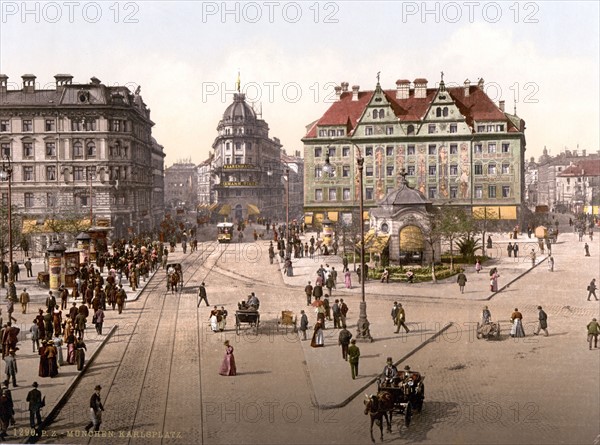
x,y
174,278
379,406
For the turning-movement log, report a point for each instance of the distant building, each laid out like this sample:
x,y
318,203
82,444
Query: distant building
x,y
578,186
455,144
205,183
181,186
295,165
553,190
80,148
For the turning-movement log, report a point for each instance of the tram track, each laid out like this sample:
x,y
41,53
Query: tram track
x,y
113,376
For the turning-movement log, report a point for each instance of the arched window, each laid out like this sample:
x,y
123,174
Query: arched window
x,y
77,149
381,114
438,112
91,149
374,114
410,129
445,112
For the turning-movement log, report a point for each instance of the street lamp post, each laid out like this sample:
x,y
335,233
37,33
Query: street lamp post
x,y
287,204
363,331
6,175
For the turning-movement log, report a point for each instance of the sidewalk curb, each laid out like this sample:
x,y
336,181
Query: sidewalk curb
x,y
67,392
513,280
374,379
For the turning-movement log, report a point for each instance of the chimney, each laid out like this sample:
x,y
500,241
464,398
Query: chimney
x,y
480,83
355,89
28,83
402,89
420,88
467,87
338,92
95,81
345,86
62,80
501,105
3,83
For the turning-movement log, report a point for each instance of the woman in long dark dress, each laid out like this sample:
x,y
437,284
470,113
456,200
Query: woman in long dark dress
x,y
71,348
43,368
51,354
228,366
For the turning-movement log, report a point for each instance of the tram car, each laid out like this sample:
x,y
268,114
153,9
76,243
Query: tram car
x,y
225,232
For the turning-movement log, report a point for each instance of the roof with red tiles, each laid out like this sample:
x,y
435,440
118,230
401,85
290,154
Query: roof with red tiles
x,y
590,167
477,106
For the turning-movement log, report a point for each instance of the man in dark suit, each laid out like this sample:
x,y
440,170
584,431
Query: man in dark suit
x,y
34,397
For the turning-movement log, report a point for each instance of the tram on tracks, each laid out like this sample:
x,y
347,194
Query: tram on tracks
x,y
225,232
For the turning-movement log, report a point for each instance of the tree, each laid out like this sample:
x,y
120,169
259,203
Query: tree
x,y
16,224
432,235
453,224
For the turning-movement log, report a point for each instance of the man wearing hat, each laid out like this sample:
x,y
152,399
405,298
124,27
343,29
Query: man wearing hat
x,y
10,369
390,372
400,319
50,302
202,294
96,409
593,329
34,397
24,300
353,357
308,290
543,322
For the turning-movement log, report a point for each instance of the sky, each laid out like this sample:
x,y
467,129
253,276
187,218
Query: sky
x,y
540,57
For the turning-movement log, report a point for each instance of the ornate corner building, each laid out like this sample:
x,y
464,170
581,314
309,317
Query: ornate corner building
x,y
82,150
247,166
456,145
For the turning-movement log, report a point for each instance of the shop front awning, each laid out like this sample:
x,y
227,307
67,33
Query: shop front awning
x,y
253,210
375,243
33,226
308,219
411,239
213,206
225,210
333,216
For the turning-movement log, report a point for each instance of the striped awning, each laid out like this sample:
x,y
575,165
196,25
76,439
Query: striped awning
x,y
253,210
411,239
213,206
375,243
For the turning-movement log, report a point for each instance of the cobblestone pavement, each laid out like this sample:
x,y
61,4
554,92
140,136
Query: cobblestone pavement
x,y
160,370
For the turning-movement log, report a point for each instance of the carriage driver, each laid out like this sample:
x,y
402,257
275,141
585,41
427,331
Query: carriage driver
x,y
390,373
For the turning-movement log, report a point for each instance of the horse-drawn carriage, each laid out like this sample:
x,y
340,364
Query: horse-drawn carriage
x,y
407,392
249,316
488,330
400,395
174,277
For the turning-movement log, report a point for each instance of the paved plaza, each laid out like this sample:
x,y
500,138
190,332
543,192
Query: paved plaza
x,y
158,362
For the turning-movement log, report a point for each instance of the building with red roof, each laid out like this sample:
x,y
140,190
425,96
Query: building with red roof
x,y
455,144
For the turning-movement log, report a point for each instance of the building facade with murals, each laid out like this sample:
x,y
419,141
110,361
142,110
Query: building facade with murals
x,y
81,150
246,166
455,144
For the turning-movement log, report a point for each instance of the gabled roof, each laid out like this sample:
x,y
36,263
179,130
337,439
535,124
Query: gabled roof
x,y
589,167
476,107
